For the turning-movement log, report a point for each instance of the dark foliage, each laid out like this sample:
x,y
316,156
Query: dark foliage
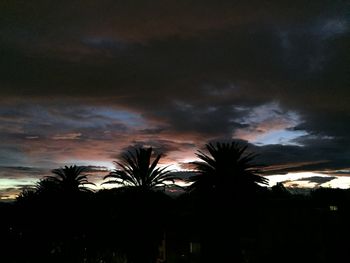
x,y
138,170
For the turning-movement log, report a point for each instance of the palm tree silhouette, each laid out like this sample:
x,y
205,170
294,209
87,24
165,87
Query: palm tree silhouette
x,y
138,170
46,186
69,179
227,166
224,191
144,208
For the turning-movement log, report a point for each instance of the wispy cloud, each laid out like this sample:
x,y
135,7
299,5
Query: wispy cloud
x,y
67,136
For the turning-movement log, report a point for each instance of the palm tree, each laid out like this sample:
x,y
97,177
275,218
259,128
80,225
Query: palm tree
x,y
227,166
226,182
144,209
47,185
68,179
138,170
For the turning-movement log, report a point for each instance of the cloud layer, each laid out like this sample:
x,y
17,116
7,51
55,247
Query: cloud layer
x,y
82,80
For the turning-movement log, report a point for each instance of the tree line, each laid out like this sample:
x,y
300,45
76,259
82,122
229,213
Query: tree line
x,y
225,165
227,211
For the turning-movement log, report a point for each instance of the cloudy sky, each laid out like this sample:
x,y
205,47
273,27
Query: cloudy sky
x,y
82,80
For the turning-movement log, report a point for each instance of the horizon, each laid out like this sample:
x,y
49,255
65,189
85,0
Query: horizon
x,y
295,181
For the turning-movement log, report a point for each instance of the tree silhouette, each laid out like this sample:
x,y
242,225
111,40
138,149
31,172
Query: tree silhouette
x,y
144,209
279,190
58,208
47,186
226,182
68,179
138,170
227,166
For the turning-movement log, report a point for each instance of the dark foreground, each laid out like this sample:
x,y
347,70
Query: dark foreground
x,y
135,226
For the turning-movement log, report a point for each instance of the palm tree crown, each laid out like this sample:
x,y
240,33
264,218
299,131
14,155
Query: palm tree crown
x,y
228,166
138,170
69,178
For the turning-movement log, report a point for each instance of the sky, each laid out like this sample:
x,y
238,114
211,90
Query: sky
x,y
81,81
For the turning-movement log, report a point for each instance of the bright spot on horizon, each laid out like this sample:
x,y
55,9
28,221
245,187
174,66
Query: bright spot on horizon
x,y
342,182
6,182
15,185
300,180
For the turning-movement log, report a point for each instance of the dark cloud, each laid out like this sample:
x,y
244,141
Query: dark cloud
x,y
236,51
318,179
319,154
95,169
139,20
20,172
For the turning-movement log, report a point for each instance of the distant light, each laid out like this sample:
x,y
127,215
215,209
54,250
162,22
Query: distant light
x,y
333,208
